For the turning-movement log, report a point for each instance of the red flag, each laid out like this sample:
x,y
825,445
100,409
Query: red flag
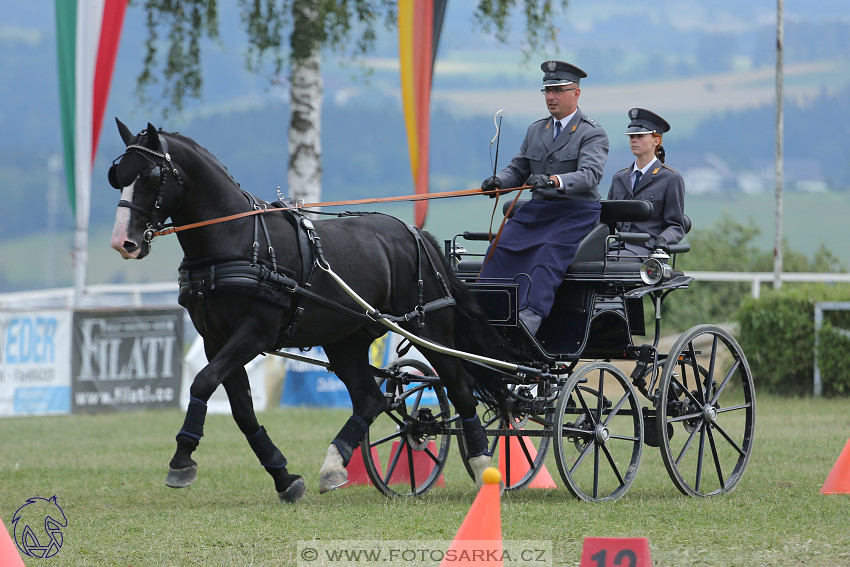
x,y
419,26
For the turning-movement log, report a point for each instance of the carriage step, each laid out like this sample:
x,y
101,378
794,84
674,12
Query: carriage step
x,y
650,428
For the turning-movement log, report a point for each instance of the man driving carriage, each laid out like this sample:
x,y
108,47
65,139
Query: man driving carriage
x,y
562,158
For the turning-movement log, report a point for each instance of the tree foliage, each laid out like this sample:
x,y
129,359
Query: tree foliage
x,y
283,30
777,334
727,246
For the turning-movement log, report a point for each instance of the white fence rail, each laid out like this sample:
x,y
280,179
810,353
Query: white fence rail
x,y
101,295
165,293
759,278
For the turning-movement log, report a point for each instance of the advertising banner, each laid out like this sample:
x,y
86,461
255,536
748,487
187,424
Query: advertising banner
x,y
125,360
310,385
35,351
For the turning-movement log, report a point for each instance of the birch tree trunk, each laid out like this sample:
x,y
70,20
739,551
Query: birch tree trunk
x,y
304,177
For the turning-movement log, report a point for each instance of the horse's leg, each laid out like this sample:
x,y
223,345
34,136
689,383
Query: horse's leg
x,y
350,361
459,388
223,359
290,487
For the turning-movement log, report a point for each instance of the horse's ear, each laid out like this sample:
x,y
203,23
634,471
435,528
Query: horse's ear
x,y
126,135
153,138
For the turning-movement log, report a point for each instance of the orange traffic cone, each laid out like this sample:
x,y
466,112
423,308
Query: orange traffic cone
x,y
520,463
479,538
838,480
423,464
9,556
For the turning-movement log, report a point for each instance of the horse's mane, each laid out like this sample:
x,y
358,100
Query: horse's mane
x,y
198,148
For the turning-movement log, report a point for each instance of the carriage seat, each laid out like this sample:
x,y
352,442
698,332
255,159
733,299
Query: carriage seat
x,y
590,257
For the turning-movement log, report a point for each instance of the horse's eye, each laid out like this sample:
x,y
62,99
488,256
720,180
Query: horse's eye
x,y
155,176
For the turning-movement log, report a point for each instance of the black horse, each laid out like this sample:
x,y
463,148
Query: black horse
x,y
264,281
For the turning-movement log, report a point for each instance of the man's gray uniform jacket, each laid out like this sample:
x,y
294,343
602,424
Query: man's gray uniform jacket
x,y
578,157
665,189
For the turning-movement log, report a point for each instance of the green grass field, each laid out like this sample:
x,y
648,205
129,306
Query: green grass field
x,y
108,473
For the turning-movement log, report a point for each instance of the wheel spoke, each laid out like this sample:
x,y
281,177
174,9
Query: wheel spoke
x,y
613,464
695,367
631,438
717,466
685,417
383,440
427,451
411,468
616,409
731,441
688,443
591,444
684,386
596,470
700,456
399,422
393,462
587,412
726,379
734,408
708,394
600,400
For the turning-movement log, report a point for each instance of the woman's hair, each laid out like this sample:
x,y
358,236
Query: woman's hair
x,y
659,150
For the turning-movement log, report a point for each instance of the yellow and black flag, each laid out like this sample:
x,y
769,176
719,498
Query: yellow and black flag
x,y
419,25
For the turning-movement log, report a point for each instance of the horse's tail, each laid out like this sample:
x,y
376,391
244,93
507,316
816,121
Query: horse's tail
x,y
472,333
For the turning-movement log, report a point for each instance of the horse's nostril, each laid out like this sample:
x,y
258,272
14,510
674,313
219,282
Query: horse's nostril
x,y
130,246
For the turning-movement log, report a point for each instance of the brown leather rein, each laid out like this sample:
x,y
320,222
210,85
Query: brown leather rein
x,y
418,197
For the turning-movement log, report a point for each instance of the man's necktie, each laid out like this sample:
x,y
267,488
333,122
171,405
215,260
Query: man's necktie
x,y
557,129
638,175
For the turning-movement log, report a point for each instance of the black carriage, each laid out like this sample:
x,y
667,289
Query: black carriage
x,y
257,277
589,362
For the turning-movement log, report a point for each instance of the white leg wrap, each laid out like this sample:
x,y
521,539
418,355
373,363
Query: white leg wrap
x,y
478,464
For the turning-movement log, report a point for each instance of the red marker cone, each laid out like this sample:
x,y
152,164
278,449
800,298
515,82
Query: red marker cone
x,y
423,464
520,463
479,538
9,556
838,480
357,468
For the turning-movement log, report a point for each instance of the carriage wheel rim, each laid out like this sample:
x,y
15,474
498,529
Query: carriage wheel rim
x,y
610,461
713,456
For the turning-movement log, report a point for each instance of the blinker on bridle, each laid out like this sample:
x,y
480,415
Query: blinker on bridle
x,y
161,163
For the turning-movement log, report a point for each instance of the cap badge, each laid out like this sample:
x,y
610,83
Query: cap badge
x,y
552,65
633,113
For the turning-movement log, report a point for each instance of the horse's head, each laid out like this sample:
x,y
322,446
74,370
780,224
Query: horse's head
x,y
150,186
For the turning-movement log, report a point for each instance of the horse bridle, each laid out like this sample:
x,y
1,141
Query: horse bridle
x,y
161,162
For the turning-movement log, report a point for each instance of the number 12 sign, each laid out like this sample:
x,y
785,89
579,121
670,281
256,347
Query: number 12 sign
x,y
615,552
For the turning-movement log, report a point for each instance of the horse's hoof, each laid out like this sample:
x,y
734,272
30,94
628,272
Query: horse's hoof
x,y
294,493
478,465
181,478
332,480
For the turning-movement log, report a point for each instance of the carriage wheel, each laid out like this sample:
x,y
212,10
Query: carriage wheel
x,y
406,447
598,433
520,456
706,412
